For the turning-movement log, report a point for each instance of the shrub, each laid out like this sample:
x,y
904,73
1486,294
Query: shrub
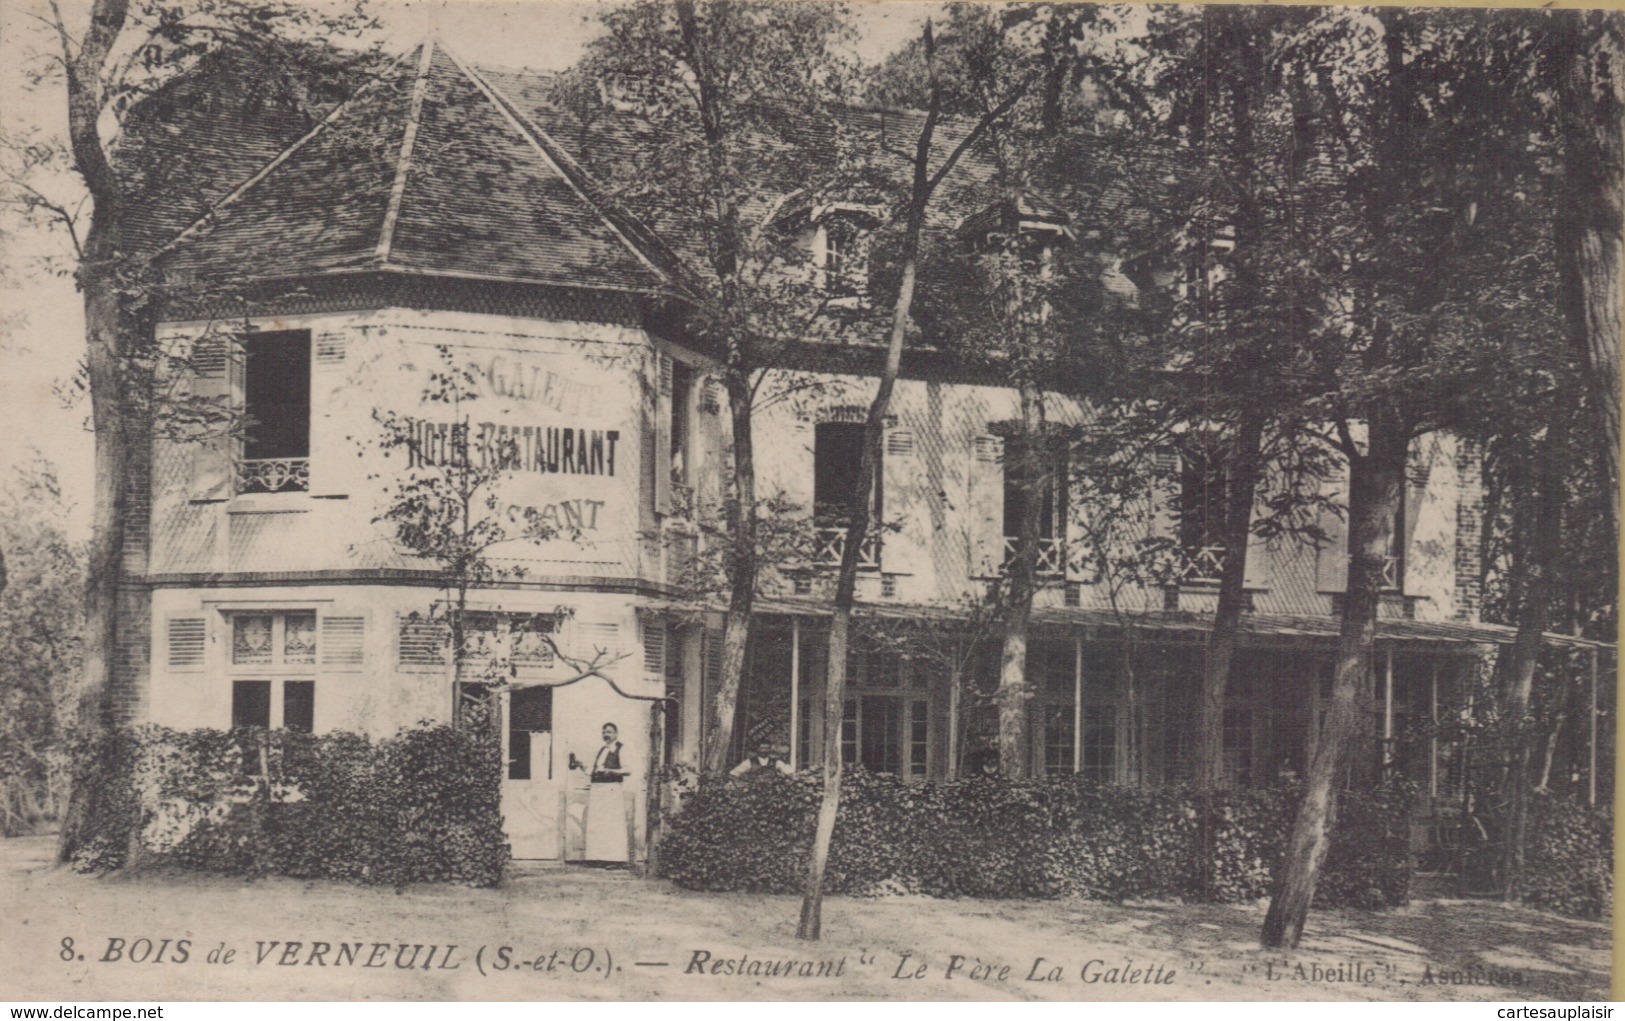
x,y
1029,838
421,806
1569,855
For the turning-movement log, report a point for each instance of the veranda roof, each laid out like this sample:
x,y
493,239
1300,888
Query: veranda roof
x,y
1170,624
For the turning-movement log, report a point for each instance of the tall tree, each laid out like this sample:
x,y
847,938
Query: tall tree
x,y
1419,291
1212,84
1589,49
924,177
1013,290
732,103
105,66
40,642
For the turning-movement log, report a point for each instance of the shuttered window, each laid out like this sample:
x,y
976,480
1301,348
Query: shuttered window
x,y
654,645
186,636
342,641
422,642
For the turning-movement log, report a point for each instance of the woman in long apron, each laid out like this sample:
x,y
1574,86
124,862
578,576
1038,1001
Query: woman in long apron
x,y
606,803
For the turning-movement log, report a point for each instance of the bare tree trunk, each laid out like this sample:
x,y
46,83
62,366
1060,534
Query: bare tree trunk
x,y
1022,581
1538,573
1242,474
1591,215
742,568
846,581
1376,480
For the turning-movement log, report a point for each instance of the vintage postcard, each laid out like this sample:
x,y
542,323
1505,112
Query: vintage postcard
x,y
736,500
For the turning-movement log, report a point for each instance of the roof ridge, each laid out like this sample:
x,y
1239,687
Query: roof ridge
x,y
211,214
397,191
533,134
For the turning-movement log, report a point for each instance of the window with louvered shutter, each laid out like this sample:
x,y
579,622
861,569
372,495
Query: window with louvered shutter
x,y
713,659
342,641
654,645
329,349
597,639
422,642
187,636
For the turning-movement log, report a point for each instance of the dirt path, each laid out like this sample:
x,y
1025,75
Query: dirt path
x,y
557,932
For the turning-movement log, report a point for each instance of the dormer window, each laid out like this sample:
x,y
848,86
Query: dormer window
x,y
1026,225
841,249
629,93
1206,269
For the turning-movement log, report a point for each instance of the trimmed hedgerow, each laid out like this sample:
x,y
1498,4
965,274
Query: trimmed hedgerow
x,y
421,806
1031,838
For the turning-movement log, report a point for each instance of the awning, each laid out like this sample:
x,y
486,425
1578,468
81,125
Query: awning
x,y
1181,624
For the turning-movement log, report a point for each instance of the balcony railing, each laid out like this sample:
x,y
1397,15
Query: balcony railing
x,y
1201,565
829,544
274,475
1390,574
1051,555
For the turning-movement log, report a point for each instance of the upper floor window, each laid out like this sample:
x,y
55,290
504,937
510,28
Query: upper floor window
x,y
1048,489
1393,565
1203,270
630,93
837,452
276,413
841,250
1203,484
682,392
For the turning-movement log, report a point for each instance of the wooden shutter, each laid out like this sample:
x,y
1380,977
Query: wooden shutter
x,y
588,640
343,642
1163,512
901,479
785,461
187,641
1416,549
421,642
662,434
329,455
1332,559
652,632
1258,552
1080,568
985,507
215,361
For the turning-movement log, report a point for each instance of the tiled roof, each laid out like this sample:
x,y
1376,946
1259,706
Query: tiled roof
x,y
438,167
423,170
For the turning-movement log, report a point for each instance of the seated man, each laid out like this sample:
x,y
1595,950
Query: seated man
x,y
765,758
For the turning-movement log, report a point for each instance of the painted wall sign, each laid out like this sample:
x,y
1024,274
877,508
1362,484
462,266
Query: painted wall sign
x,y
547,450
508,377
568,515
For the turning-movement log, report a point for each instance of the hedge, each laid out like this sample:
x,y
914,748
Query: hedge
x,y
1047,838
1569,856
421,806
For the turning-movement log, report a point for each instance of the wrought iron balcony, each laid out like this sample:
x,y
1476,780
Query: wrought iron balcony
x,y
1051,555
829,544
273,475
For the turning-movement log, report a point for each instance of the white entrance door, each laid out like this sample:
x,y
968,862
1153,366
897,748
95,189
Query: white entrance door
x,y
530,794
